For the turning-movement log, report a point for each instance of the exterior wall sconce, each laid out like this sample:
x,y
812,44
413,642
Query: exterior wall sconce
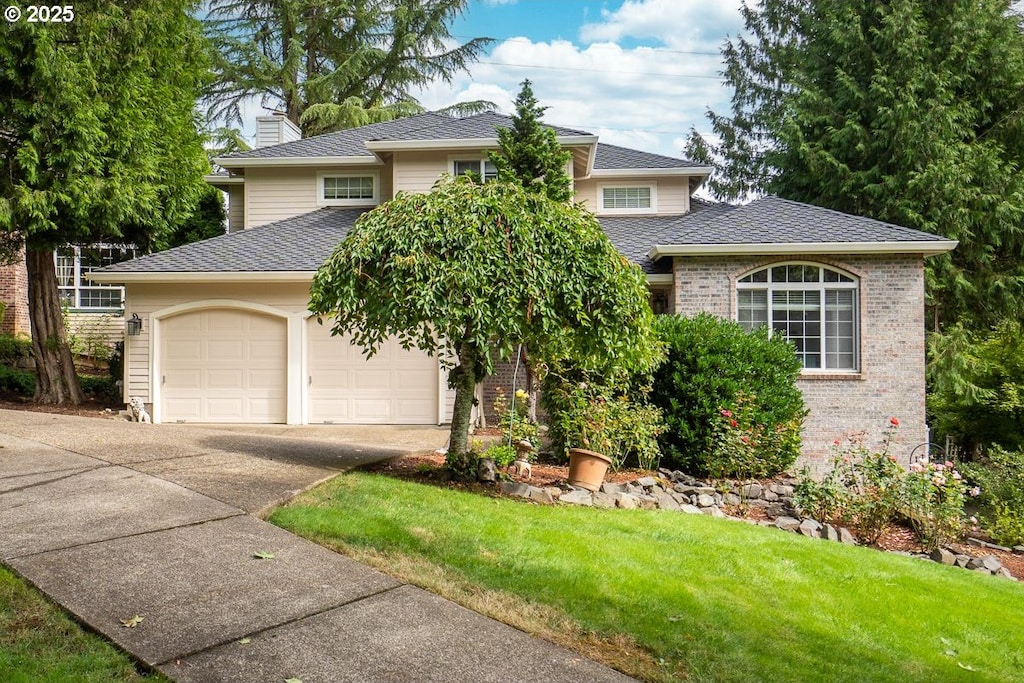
x,y
133,326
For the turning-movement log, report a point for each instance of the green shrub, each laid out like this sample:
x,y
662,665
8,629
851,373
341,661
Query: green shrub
x,y
999,478
713,365
502,454
607,415
744,449
20,382
515,423
14,349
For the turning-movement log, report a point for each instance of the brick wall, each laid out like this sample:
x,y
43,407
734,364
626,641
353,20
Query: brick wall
x,y
502,378
14,295
891,378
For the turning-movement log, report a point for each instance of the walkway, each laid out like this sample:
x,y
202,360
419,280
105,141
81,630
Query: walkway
x,y
115,520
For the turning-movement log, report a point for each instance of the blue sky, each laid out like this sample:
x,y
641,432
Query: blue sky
x,y
639,73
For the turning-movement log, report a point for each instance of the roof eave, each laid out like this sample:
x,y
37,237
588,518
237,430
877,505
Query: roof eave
x,y
925,248
218,180
127,277
244,162
632,172
464,143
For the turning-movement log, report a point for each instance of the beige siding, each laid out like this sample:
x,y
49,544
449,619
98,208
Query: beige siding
x,y
95,329
418,171
236,208
273,194
673,194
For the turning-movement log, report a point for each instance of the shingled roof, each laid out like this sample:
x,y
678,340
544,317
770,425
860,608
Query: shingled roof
x,y
302,243
613,157
428,126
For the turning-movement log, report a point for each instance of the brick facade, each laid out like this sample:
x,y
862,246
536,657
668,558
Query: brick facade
x,y
14,295
891,378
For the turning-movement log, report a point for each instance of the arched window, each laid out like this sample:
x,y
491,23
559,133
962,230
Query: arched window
x,y
815,307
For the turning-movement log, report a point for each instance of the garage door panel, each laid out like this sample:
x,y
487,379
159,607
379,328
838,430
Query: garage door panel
x,y
394,386
224,366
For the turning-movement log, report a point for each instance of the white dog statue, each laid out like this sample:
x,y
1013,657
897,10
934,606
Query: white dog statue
x,y
138,411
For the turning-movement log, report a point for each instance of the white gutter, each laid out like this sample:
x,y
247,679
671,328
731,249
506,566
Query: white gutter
x,y
216,179
925,248
634,172
659,278
243,162
116,278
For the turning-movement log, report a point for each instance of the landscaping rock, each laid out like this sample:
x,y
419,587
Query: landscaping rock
x,y
713,511
646,482
555,492
829,533
846,537
516,489
541,496
486,470
732,499
783,490
751,490
757,503
1005,573
770,496
787,523
626,501
666,501
962,561
603,500
991,563
810,528
976,541
775,510
690,509
680,498
611,488
647,502
1018,550
709,490
705,500
577,497
943,556
685,489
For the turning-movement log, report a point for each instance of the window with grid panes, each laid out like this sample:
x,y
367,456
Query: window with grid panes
x,y
626,197
74,263
815,307
480,168
348,187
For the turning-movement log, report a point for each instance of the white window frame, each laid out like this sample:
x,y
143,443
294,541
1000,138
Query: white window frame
x,y
481,159
78,286
322,201
602,209
821,287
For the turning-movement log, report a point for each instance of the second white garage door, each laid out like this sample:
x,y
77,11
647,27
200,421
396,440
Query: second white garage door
x,y
223,365
394,387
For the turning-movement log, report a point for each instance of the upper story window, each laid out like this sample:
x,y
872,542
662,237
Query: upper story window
x,y
74,263
628,198
480,168
815,307
348,189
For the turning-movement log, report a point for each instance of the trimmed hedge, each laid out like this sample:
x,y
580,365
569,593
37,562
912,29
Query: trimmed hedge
x,y
714,366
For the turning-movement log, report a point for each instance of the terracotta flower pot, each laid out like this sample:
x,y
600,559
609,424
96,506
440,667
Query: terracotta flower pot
x,y
587,468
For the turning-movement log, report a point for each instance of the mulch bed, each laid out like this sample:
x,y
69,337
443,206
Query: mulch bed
x,y
91,407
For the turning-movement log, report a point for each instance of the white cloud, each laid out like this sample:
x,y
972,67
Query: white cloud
x,y
494,3
641,97
677,24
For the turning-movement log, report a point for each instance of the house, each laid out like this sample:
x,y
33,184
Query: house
x,y
226,337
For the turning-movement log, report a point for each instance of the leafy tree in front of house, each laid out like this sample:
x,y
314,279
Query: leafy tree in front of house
x,y
330,66
909,111
470,270
205,221
99,142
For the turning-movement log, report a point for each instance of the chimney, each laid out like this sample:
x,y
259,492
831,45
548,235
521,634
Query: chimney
x,y
275,129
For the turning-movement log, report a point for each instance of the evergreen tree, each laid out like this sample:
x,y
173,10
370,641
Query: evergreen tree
x,y
908,111
529,152
333,65
99,142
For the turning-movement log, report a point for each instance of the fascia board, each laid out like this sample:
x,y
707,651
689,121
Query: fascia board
x,y
926,248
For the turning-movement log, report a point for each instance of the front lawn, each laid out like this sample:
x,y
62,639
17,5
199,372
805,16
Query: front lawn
x,y
39,643
666,595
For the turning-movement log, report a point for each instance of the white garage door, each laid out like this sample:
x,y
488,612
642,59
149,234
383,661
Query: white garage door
x,y
224,366
394,387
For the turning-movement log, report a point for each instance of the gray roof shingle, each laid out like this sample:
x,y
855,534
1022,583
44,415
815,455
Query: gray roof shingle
x,y
613,157
428,126
300,244
303,243
771,220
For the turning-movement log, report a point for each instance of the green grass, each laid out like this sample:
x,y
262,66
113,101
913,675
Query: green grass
x,y
711,600
39,643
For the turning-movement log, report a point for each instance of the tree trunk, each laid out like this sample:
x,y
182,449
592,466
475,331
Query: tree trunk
x,y
56,381
465,376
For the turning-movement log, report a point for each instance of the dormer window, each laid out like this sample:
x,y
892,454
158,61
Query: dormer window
x,y
481,168
348,189
628,198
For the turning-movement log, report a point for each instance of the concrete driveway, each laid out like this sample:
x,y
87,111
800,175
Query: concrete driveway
x,y
116,520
